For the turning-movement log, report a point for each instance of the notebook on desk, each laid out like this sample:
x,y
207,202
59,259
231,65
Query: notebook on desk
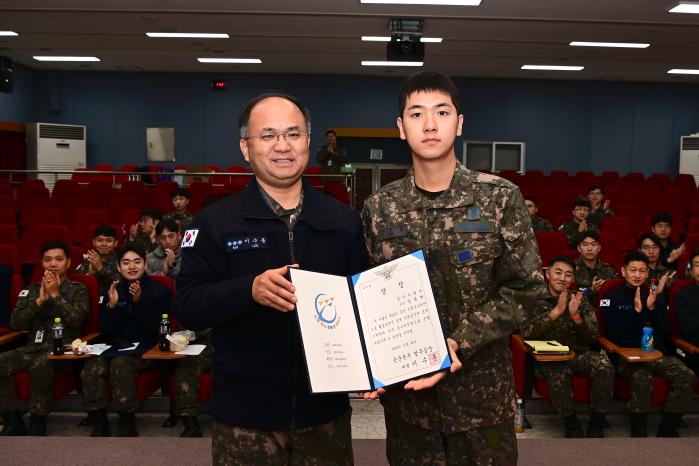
x,y
547,347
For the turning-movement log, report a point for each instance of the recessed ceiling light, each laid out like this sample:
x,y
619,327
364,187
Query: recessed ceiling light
x,y
684,7
552,67
229,60
390,63
682,71
436,40
8,33
426,2
57,58
189,35
624,45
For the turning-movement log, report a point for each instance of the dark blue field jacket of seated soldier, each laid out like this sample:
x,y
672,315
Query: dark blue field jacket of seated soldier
x,y
260,376
624,326
138,321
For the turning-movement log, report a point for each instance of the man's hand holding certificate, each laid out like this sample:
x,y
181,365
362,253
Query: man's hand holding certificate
x,y
371,330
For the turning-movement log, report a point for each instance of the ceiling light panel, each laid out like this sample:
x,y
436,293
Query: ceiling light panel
x,y
229,60
390,63
623,45
64,58
187,35
683,7
8,33
552,67
682,71
426,2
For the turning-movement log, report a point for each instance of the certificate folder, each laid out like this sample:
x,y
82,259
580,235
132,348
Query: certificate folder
x,y
373,329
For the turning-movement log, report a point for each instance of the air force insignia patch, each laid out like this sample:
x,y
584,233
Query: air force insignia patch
x,y
190,237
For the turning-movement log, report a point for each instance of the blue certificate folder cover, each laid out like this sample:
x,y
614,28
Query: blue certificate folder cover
x,y
377,332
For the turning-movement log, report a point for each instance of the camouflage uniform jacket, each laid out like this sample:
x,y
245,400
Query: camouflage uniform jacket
x,y
541,224
184,219
655,274
578,337
72,305
485,268
597,215
570,229
144,241
585,274
106,275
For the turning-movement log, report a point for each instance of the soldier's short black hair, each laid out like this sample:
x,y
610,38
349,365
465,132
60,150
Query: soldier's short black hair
x,y
693,256
635,256
595,187
168,223
660,217
581,202
184,192
425,81
130,246
564,259
532,199
644,236
154,214
244,116
330,131
104,230
582,236
55,245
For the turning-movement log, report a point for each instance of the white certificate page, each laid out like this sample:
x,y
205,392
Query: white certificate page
x,y
402,332
331,341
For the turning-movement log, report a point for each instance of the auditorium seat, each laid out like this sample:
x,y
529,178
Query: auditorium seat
x,y
164,188
83,218
9,234
38,216
8,217
199,189
693,225
34,236
161,202
5,187
551,243
9,255
8,202
634,177
338,191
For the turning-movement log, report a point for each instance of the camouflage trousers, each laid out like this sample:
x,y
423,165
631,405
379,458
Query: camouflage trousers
x,y
41,372
187,374
122,372
411,445
595,366
680,377
328,444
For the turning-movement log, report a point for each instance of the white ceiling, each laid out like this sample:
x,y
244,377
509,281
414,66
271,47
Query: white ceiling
x,y
323,36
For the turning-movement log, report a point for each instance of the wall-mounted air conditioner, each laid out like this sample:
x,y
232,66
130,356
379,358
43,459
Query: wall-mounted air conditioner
x,y
53,146
689,156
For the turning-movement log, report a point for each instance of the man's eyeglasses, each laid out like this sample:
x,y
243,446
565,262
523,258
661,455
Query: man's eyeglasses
x,y
581,209
269,139
649,248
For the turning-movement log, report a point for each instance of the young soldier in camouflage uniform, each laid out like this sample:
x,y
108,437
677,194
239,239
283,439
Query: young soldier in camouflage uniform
x,y
101,261
37,307
650,245
579,223
538,223
143,233
569,319
590,271
130,312
485,267
661,226
180,214
625,311
187,373
599,207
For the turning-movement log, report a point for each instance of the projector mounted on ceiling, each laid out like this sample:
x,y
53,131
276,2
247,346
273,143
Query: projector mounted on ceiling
x,y
405,42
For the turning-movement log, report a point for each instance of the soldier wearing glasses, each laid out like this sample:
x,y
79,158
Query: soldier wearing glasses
x,y
233,279
579,222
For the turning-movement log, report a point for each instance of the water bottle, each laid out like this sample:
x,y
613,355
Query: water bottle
x,y
647,339
519,416
164,331
57,330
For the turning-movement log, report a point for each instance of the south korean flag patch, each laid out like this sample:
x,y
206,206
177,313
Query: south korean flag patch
x,y
23,294
190,237
604,303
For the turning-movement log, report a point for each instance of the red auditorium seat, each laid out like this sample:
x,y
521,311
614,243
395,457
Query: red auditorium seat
x,y
164,188
693,225
338,191
9,255
83,218
620,226
34,236
117,205
39,216
9,234
133,188
161,202
199,189
5,187
7,201
130,217
621,384
551,243
8,217
634,177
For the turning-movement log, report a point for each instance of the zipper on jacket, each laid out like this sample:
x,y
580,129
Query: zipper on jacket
x,y
291,247
294,362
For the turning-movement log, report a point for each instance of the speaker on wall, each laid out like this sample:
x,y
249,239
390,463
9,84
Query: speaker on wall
x,y
7,75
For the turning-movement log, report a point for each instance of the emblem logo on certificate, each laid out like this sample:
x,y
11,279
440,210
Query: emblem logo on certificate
x,y
373,329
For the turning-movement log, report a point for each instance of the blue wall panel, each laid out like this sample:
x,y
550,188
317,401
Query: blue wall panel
x,y
566,124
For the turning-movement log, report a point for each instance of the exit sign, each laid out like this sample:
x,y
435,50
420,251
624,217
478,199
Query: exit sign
x,y
218,84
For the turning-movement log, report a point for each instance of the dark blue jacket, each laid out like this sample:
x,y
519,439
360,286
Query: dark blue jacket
x,y
624,326
260,375
132,322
